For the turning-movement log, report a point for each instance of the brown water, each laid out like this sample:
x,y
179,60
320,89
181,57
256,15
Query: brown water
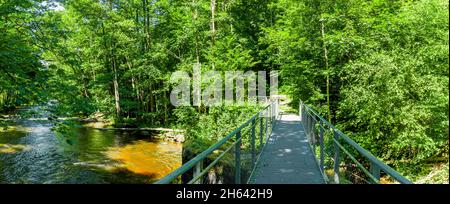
x,y
30,152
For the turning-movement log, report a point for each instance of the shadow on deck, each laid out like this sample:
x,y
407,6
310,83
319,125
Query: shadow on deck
x,y
287,158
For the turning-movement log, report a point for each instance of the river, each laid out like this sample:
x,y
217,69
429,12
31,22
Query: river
x,y
30,152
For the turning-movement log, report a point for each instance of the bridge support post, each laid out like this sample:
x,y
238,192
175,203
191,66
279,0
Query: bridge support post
x,y
277,107
237,155
269,116
336,158
375,171
321,147
306,126
313,135
261,131
267,130
197,171
300,110
253,143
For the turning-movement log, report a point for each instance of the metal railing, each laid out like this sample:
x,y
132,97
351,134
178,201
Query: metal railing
x,y
317,129
259,127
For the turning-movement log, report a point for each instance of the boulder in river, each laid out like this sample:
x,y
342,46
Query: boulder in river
x,y
173,137
179,138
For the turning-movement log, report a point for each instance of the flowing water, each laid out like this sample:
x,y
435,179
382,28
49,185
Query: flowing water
x,y
30,152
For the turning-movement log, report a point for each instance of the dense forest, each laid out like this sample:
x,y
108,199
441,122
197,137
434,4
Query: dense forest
x,y
377,69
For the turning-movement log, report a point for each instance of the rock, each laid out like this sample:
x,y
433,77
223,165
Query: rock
x,y
168,139
98,115
99,124
52,117
179,138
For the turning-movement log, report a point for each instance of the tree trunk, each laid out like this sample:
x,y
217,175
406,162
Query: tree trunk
x,y
116,88
213,31
166,111
194,17
213,21
134,83
327,70
152,99
85,91
146,24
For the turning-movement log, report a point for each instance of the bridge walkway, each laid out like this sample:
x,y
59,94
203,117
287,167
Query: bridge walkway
x,y
287,157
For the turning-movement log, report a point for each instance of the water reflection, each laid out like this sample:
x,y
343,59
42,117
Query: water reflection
x,y
140,157
94,156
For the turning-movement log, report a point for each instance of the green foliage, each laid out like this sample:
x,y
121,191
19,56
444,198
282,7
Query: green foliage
x,y
21,72
382,64
66,131
216,123
395,100
388,69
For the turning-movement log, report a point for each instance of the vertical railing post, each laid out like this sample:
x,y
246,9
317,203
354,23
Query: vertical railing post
x,y
197,171
253,143
302,114
311,131
307,126
269,109
266,118
313,135
238,159
305,123
271,116
308,119
277,106
300,111
321,147
336,158
375,171
274,112
261,131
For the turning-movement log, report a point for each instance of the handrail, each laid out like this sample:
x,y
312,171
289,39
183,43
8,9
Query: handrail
x,y
376,164
197,161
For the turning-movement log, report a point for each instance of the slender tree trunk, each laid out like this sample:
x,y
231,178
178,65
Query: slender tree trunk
x,y
213,31
142,99
144,10
325,51
134,83
85,91
116,88
166,111
194,17
114,69
147,24
152,99
213,21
